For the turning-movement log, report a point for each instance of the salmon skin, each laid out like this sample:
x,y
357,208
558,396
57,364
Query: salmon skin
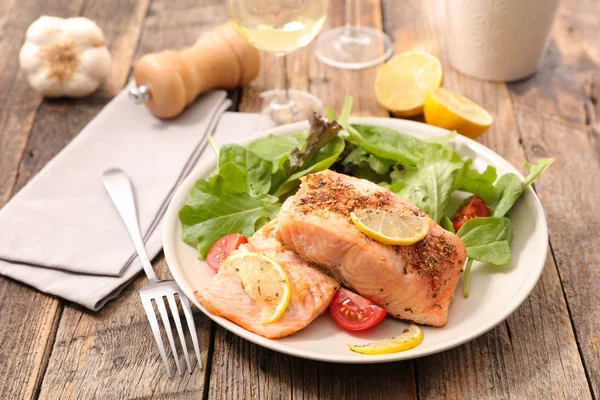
x,y
312,290
414,282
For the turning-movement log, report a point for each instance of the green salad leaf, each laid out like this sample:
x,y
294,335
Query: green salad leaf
x,y
277,148
482,183
487,240
431,183
509,187
244,171
360,157
535,170
508,190
322,160
447,224
212,212
386,143
321,133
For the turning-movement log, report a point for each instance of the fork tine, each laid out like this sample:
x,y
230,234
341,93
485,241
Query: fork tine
x,y
160,303
147,303
177,319
187,310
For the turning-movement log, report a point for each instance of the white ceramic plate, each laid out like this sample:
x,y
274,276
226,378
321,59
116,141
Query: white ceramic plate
x,y
494,294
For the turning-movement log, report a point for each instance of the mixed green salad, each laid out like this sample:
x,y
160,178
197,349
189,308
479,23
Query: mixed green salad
x,y
250,183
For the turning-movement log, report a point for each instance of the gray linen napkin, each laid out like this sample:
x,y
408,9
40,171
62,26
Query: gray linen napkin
x,y
61,233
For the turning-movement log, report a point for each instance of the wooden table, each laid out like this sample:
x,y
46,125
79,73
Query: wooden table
x,y
548,349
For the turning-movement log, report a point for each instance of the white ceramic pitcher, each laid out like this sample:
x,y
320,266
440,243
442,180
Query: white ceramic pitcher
x,y
498,40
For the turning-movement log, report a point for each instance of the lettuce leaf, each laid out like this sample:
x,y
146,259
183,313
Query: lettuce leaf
x,y
482,183
242,171
212,212
431,183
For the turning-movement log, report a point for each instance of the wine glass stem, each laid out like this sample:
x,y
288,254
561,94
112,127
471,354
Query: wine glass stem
x,y
352,17
282,84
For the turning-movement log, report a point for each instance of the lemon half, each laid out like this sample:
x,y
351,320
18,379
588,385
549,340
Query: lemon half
x,y
397,228
453,111
402,82
265,281
411,337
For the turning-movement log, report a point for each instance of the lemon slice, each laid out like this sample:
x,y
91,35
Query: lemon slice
x,y
265,281
399,228
453,111
402,83
411,337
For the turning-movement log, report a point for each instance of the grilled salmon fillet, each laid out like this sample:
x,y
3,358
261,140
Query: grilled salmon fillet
x,y
414,282
312,290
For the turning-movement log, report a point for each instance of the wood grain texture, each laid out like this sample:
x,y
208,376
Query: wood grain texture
x,y
533,354
558,112
29,319
243,370
112,354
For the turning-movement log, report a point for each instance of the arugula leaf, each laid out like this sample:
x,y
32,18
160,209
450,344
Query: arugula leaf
x,y
508,190
213,212
488,240
330,114
322,160
447,224
467,280
345,113
430,184
509,187
475,182
244,171
387,143
535,170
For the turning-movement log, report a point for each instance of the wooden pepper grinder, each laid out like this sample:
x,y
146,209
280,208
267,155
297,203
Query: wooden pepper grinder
x,y
169,81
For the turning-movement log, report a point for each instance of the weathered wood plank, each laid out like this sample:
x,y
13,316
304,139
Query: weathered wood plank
x,y
533,354
28,318
112,354
558,112
243,370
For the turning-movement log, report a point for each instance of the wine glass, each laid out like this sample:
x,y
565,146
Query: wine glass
x,y
353,46
279,27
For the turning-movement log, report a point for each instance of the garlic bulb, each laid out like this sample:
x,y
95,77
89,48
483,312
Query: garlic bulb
x,y
65,57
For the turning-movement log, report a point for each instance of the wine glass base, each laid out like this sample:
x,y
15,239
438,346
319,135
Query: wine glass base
x,y
364,48
301,105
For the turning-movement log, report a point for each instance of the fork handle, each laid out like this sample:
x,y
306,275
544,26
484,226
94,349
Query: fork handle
x,y
119,188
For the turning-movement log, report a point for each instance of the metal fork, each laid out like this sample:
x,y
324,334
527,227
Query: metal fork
x,y
119,188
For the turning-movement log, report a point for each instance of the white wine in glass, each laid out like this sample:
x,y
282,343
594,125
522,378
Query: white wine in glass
x,y
279,27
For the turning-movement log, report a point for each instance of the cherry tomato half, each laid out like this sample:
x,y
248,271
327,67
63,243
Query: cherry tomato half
x,y
353,312
472,207
222,248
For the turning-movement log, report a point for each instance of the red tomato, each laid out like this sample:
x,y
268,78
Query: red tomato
x,y
473,207
354,312
222,248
